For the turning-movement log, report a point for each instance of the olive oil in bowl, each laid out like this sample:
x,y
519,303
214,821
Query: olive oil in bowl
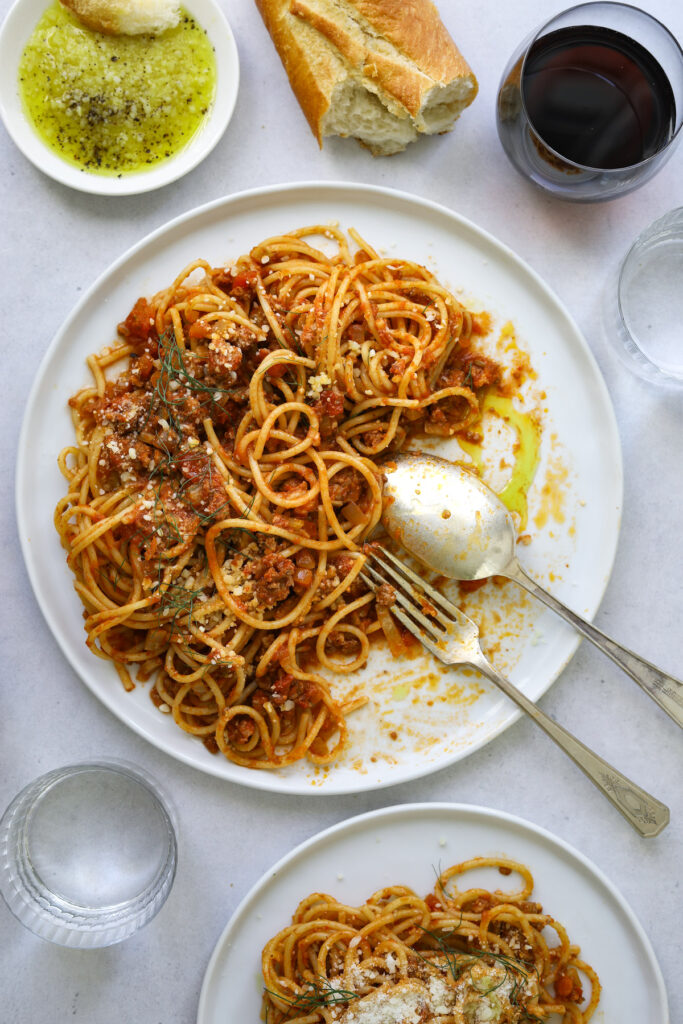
x,y
116,105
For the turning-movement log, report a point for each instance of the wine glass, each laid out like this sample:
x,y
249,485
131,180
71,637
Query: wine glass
x,y
590,105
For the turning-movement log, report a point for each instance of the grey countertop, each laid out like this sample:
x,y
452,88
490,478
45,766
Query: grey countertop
x,y
54,243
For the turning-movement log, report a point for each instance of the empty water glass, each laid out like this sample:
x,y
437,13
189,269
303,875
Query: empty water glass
x,y
88,853
645,304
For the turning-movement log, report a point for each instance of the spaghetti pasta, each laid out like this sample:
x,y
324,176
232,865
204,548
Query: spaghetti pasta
x,y
225,477
457,956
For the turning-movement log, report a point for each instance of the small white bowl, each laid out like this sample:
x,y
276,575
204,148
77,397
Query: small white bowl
x,y
14,35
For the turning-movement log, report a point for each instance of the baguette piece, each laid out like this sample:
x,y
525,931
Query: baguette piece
x,y
383,71
125,17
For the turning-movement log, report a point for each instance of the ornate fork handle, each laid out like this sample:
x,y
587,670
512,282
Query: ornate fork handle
x,y
454,639
647,814
665,690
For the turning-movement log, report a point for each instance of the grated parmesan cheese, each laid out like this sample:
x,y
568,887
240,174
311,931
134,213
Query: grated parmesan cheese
x,y
316,384
405,1004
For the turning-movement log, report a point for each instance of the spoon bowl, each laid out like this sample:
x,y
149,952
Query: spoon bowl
x,y
447,517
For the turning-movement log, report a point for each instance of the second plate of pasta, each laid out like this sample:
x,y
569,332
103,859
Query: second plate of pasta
x,y
433,910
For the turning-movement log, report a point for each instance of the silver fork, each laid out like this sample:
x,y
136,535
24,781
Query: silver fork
x,y
454,639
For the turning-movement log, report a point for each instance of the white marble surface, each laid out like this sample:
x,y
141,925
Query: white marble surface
x,y
54,243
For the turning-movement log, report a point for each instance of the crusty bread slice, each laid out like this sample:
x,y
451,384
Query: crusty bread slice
x,y
383,71
126,17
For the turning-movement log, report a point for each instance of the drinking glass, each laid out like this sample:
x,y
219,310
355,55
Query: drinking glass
x,y
590,105
644,303
88,853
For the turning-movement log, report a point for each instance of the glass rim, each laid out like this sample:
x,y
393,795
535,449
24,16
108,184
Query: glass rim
x,y
49,779
537,35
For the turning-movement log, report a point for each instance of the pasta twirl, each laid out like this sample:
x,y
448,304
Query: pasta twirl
x,y
226,474
456,956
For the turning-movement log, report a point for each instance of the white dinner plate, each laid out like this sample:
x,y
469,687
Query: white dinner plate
x,y
408,845
14,35
419,718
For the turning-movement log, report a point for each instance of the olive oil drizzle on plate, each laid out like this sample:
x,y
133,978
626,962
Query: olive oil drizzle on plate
x,y
526,452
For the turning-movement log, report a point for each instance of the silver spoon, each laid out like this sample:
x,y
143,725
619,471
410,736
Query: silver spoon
x,y
458,527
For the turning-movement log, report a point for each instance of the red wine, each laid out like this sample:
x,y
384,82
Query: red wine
x,y
597,97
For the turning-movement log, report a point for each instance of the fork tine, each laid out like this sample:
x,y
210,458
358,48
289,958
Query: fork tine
x,y
432,593
437,649
406,603
435,644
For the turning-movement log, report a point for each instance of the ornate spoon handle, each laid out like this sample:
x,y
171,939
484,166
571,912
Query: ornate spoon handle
x,y
665,690
648,815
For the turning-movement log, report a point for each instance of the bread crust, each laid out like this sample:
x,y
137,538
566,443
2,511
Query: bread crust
x,y
312,88
121,17
95,17
398,50
415,28
382,71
